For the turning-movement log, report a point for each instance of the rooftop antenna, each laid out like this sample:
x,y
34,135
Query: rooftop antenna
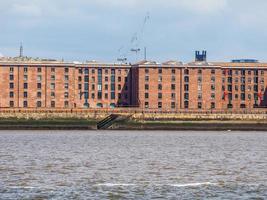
x,y
21,50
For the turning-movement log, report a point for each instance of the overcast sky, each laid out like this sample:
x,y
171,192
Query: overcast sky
x,y
107,29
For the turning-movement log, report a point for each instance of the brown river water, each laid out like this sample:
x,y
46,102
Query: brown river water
x,y
133,165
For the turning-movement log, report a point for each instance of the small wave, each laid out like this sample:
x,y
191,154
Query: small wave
x,y
192,184
115,184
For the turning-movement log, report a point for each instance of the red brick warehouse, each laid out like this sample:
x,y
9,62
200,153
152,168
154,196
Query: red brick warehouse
x,y
171,86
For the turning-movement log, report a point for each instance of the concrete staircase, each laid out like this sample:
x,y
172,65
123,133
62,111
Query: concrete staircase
x,y
107,122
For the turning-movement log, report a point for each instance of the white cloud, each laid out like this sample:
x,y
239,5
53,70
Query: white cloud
x,y
1,55
28,10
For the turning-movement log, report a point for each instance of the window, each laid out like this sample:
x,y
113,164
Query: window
x,y
159,87
25,85
25,69
199,71
106,71
39,94
25,104
173,78
99,95
53,77
229,88
86,86
25,94
172,105
146,78
146,95
243,72
212,96
212,105
256,80
212,79
106,78
66,104
186,87
160,71
186,79
11,69
159,95
236,72
93,95
199,96
160,79
66,95
53,95
212,87
11,104
173,95
146,105
256,88
11,94
112,95
173,71
106,87
243,96
186,96
230,72
66,70
11,77
236,87
39,69
106,95
213,71
243,88
186,72
262,72
199,105
119,79
229,79
39,104
66,86
39,78
86,71
173,86
236,96
52,86
53,69
146,87
199,79
119,87
66,78
39,85
146,70
256,72
53,104
159,104
25,77
186,104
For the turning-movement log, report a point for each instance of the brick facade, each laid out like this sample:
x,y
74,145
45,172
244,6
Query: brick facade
x,y
171,86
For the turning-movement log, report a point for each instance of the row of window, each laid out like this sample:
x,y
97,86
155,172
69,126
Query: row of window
x,y
242,72
106,87
39,69
242,96
106,71
86,79
39,104
243,80
243,88
106,96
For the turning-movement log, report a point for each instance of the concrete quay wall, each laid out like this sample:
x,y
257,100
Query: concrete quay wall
x,y
134,115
